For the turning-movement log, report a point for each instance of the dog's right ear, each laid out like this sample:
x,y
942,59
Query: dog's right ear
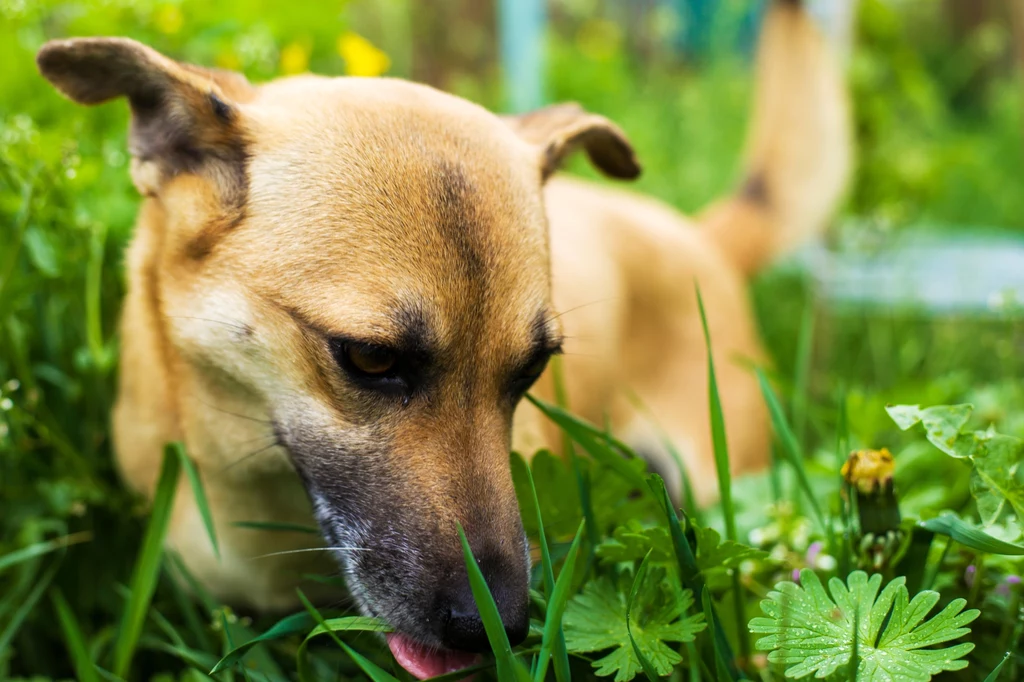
x,y
558,130
185,119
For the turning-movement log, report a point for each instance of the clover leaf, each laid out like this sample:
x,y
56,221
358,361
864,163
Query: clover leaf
x,y
596,621
997,479
810,632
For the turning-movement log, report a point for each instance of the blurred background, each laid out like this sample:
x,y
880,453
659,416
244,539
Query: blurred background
x,y
914,296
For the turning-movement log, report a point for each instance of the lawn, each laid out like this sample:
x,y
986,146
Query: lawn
x,y
646,589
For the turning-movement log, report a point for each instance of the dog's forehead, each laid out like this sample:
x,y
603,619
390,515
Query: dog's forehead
x,y
370,200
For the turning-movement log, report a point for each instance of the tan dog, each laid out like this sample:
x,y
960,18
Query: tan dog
x,y
339,290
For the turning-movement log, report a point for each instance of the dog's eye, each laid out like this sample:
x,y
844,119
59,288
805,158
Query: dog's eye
x,y
369,359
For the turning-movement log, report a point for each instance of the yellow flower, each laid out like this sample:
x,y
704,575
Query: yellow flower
x,y
362,58
294,58
168,19
869,469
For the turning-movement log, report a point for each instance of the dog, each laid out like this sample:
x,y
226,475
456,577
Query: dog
x,y
357,280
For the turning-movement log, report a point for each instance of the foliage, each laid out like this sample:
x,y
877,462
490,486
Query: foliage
x,y
71,536
884,634
596,621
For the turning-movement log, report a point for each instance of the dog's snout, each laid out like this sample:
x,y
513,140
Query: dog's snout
x,y
464,630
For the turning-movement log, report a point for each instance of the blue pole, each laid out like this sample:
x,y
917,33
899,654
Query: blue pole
x,y
521,25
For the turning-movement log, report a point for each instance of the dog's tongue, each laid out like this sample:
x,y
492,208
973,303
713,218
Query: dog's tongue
x,y
424,662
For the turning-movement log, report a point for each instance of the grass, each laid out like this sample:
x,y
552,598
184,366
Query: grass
x,y
72,538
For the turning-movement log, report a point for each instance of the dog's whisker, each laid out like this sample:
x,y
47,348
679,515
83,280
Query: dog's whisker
x,y
574,309
233,414
240,327
249,456
310,549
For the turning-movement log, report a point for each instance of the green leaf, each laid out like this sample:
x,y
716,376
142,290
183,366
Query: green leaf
x,y
200,495
997,482
277,527
994,675
40,548
596,621
971,536
559,596
942,423
714,554
333,626
509,669
603,448
41,251
559,653
718,440
645,663
686,560
147,564
790,448
85,669
810,632
721,667
632,541
291,625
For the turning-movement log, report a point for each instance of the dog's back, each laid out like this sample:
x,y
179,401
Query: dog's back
x,y
625,267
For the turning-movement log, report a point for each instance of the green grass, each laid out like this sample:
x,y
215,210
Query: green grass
x,y
87,590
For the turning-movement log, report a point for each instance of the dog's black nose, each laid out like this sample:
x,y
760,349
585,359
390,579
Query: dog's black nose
x,y
464,630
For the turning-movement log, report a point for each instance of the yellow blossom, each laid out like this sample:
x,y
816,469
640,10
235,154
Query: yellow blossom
x,y
294,58
362,58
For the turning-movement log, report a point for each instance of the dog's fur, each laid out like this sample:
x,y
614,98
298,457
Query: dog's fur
x,y
284,221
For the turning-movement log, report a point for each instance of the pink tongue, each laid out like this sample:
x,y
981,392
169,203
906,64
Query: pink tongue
x,y
424,662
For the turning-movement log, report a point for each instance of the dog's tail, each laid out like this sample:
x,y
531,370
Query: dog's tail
x,y
799,148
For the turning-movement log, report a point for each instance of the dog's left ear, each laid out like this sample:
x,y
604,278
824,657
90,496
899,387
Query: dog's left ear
x,y
185,119
558,130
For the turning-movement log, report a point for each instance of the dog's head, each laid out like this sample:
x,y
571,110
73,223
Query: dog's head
x,y
378,252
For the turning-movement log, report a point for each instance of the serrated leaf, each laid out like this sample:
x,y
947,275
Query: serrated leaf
x,y
633,541
713,553
809,631
596,621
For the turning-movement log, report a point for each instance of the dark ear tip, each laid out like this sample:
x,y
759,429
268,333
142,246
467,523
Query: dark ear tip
x,y
51,56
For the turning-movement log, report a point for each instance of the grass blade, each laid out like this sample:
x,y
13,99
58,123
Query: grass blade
x,y
718,439
994,675
602,447
721,450
790,448
559,652
557,600
582,477
509,669
722,670
689,573
291,625
372,670
645,663
147,565
18,617
199,493
85,669
40,548
954,527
